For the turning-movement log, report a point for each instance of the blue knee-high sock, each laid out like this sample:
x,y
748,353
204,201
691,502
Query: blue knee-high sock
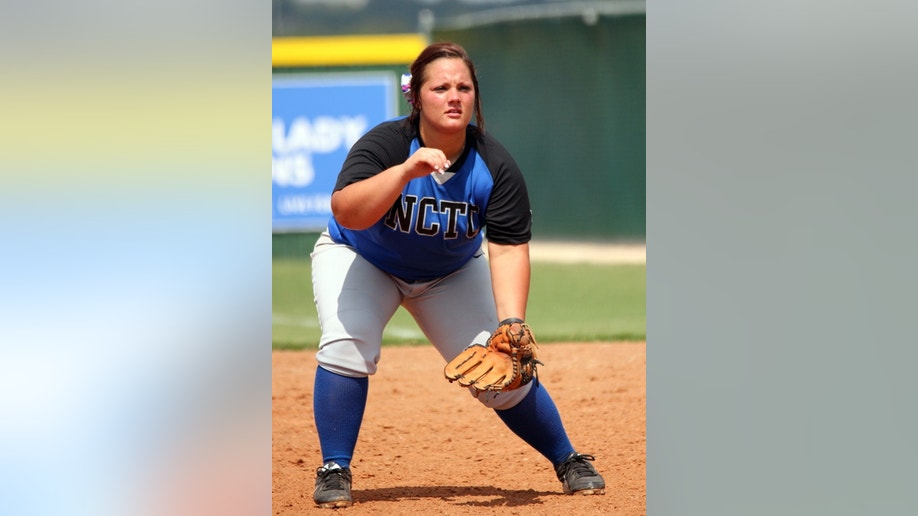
x,y
338,403
536,420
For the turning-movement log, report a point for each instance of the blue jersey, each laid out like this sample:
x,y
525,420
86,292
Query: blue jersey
x,y
433,229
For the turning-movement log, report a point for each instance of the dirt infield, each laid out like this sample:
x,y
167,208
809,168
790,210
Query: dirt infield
x,y
418,454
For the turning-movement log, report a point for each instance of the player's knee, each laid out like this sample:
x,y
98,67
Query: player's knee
x,y
503,400
346,359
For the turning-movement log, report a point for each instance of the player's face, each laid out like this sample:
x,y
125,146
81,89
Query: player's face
x,y
447,96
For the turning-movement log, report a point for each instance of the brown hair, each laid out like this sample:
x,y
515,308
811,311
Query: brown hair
x,y
418,70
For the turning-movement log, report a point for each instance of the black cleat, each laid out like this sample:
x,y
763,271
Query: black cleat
x,y
333,486
579,477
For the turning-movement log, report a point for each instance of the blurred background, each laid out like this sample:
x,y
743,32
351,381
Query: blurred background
x,y
562,85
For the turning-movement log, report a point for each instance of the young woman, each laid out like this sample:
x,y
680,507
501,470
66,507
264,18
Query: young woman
x,y
412,204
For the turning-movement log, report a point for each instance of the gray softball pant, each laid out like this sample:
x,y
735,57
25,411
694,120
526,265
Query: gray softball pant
x,y
355,300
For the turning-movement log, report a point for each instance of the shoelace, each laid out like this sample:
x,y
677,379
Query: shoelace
x,y
334,478
576,464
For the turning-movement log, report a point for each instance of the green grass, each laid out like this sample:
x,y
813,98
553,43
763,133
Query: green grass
x,y
566,303
587,302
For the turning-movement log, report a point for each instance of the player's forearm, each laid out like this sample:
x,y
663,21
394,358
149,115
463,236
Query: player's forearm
x,y
510,273
360,205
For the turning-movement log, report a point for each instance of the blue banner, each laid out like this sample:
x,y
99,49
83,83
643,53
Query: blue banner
x,y
316,120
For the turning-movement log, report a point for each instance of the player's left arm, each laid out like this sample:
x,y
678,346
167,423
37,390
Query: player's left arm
x,y
510,276
508,361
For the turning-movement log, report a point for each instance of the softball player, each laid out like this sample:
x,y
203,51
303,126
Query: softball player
x,y
411,205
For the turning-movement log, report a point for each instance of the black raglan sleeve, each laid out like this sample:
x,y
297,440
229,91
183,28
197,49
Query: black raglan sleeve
x,y
508,219
382,147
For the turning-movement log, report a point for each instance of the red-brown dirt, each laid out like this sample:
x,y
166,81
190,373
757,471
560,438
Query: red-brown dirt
x,y
426,446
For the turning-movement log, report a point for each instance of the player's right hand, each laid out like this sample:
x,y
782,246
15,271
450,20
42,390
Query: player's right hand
x,y
424,161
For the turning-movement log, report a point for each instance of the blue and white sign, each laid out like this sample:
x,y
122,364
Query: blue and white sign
x,y
316,120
